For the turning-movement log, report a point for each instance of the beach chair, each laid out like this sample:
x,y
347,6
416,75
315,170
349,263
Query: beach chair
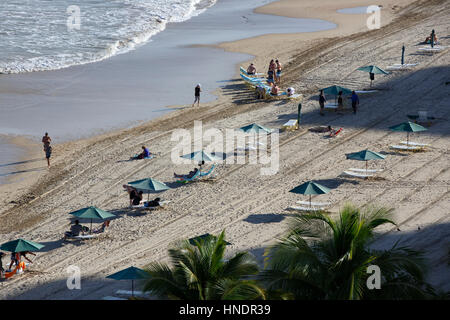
x,y
399,66
314,204
290,125
364,170
331,106
406,148
357,175
191,179
304,209
129,293
432,50
207,173
414,144
113,298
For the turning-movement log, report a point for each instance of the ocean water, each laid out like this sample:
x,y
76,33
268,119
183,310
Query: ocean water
x,y
41,35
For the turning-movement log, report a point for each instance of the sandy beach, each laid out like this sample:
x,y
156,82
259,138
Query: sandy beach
x,y
252,207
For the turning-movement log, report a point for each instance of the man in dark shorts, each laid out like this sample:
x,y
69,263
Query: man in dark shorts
x,y
47,148
197,95
355,101
322,101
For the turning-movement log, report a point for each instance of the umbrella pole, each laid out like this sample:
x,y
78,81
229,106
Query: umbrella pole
x,y
90,230
132,288
407,139
366,166
310,205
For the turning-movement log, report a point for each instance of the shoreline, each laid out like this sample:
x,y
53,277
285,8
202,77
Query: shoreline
x,y
275,8
250,207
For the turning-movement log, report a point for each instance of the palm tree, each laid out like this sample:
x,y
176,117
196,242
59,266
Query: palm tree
x,y
321,258
200,272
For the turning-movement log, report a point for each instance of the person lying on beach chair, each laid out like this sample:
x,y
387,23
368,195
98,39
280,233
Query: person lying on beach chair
x,y
75,230
104,225
145,154
153,203
186,176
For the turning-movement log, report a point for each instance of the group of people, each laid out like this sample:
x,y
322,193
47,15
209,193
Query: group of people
x,y
340,102
137,196
16,258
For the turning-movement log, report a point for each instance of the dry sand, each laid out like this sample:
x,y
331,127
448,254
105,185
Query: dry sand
x,y
252,207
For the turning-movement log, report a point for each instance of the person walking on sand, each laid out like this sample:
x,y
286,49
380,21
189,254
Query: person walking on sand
x,y
322,101
278,73
197,91
47,148
355,101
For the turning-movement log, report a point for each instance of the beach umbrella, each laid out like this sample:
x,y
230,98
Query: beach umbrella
x,y
131,273
255,128
310,188
334,90
149,185
408,127
21,245
92,213
201,157
203,237
372,71
365,155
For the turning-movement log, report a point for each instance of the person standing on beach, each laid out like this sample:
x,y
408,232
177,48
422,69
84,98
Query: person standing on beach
x,y
278,74
322,101
271,72
197,95
47,148
355,101
340,105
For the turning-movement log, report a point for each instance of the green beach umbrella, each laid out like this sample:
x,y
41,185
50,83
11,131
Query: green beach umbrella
x,y
310,188
201,156
21,245
365,155
148,185
255,128
334,90
92,213
372,70
131,273
408,127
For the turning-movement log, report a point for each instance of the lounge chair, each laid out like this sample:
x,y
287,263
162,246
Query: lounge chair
x,y
162,204
399,66
304,208
290,125
357,175
406,148
331,105
207,173
430,49
364,170
130,293
314,204
113,298
414,144
186,179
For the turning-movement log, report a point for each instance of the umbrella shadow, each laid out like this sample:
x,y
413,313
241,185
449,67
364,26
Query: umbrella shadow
x,y
335,182
265,218
52,245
